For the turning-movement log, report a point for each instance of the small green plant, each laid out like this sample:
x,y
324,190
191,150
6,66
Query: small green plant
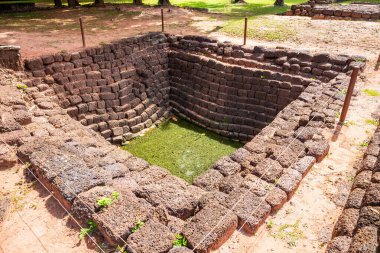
x,y
337,115
349,123
179,241
137,226
63,51
372,122
364,144
262,77
290,233
88,230
105,202
270,224
372,93
351,179
120,249
342,92
21,86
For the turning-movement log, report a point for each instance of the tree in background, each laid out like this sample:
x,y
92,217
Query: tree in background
x,y
279,3
164,2
137,2
58,3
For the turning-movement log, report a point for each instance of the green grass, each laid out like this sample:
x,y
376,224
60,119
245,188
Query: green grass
x,y
183,148
63,19
372,93
373,122
264,28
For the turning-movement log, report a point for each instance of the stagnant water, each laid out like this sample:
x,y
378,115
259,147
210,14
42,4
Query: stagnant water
x,y
185,149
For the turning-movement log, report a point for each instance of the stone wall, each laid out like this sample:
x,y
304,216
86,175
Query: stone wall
x,y
233,101
322,66
79,166
335,11
124,87
117,89
357,229
10,57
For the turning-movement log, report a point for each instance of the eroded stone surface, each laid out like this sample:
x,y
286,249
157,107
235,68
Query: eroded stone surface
x,y
210,227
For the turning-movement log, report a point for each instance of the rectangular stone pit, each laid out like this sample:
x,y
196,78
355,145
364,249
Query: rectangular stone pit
x,y
276,101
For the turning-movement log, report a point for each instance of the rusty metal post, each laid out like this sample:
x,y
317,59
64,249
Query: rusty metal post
x,y
162,20
82,31
245,30
350,90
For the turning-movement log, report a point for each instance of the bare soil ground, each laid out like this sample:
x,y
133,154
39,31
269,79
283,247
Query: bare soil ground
x,y
34,221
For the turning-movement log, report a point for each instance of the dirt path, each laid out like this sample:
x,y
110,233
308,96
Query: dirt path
x,y
35,222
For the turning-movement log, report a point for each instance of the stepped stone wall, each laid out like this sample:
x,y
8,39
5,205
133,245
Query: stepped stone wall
x,y
321,66
79,166
360,11
117,89
357,229
234,101
124,87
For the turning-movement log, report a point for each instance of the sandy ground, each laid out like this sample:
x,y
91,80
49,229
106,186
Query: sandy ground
x,y
36,223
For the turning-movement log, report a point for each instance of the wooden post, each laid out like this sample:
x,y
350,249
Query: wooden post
x,y
245,30
346,104
350,90
377,64
82,31
162,19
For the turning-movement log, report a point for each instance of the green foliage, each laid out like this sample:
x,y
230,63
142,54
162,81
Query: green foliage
x,y
181,147
105,202
88,230
137,226
120,249
364,144
290,233
372,122
372,93
21,86
349,123
180,241
270,224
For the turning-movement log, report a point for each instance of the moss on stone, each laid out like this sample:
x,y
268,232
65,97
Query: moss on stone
x,y
186,150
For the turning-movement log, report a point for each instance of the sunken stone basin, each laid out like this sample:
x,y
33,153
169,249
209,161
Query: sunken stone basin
x,y
276,101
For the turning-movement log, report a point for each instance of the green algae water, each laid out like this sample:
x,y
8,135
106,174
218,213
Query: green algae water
x,y
185,149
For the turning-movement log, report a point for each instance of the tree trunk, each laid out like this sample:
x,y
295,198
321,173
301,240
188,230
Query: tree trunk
x,y
279,3
164,2
71,3
58,3
137,2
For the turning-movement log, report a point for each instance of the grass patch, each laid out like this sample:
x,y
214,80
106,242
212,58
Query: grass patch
x,y
62,19
183,148
266,29
372,93
373,122
290,233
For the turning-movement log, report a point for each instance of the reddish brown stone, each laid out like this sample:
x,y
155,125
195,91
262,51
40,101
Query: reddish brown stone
x,y
210,228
